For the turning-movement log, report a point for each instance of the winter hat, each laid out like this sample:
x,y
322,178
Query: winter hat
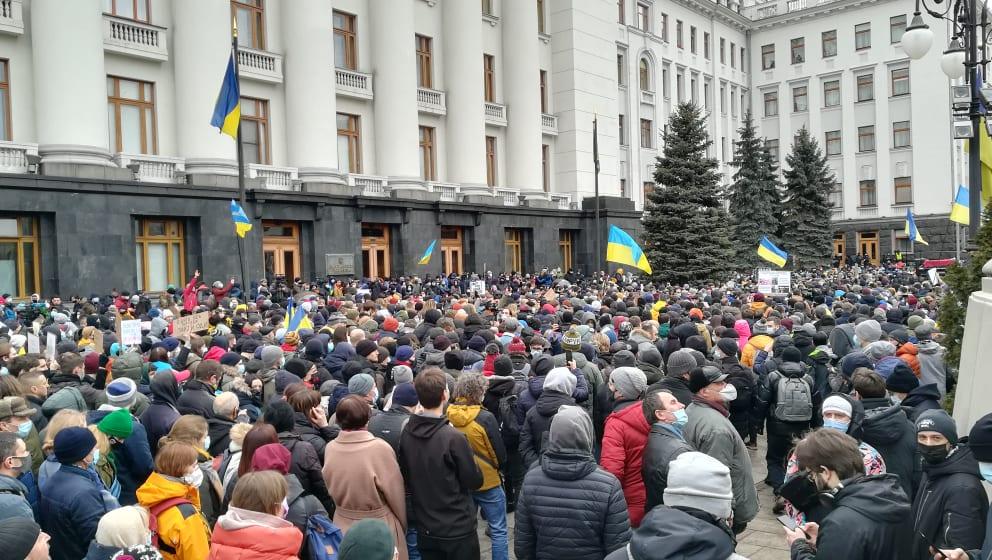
x,y
542,365
878,350
699,481
837,403
361,384
271,354
571,342
624,358
853,361
369,539
297,367
441,342
902,379
454,360
230,359
405,395
72,444
121,392
271,457
477,343
923,331
868,331
901,336
118,424
680,363
930,421
122,526
390,324
560,379
503,366
516,346
17,537
284,379
14,406
404,353
980,439
365,347
787,324
728,346
914,321
402,374
630,382
792,354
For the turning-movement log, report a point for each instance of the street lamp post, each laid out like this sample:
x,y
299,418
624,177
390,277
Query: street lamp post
x,y
961,58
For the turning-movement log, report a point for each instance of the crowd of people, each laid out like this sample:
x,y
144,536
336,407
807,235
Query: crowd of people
x,y
614,418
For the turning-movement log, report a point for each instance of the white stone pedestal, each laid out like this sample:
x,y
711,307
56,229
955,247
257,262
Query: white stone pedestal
x,y
973,398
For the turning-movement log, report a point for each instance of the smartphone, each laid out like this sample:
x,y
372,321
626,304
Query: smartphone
x,y
933,546
568,356
787,521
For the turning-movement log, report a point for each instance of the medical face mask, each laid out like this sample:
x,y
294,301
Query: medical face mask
x,y
836,425
681,418
985,469
194,479
729,393
24,428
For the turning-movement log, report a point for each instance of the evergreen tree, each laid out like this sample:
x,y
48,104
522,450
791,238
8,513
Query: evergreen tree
x,y
805,226
686,230
963,279
755,199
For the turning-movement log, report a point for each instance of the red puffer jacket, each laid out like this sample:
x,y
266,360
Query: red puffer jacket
x,y
249,535
624,439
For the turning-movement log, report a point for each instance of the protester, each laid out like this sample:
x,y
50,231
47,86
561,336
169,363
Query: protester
x,y
254,527
23,538
887,429
132,454
14,498
980,443
624,438
171,495
305,464
118,530
788,397
666,441
162,413
192,430
557,391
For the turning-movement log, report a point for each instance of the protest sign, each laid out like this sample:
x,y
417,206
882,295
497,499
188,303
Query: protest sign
x,y
185,326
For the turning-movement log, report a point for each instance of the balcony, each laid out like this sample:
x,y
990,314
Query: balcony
x,y
13,156
11,17
370,185
353,84
549,124
261,66
507,197
449,192
153,169
495,114
867,211
134,38
561,201
274,178
431,101
647,97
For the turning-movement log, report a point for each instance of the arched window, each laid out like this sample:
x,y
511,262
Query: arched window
x,y
645,75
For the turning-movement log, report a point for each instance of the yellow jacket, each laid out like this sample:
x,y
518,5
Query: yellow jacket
x,y
183,533
482,431
755,344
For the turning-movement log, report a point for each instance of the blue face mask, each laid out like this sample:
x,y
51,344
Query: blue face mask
x,y
681,418
985,469
24,428
96,456
836,425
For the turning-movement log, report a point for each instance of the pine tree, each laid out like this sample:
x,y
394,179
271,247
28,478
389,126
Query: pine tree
x,y
686,230
755,199
963,279
805,226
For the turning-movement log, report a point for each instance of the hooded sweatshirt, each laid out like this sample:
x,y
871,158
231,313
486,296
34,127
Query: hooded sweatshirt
x,y
250,535
162,413
932,366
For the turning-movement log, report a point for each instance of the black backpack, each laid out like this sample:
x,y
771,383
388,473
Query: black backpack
x,y
509,427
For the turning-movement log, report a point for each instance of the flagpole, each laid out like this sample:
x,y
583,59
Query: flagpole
x,y
595,161
242,195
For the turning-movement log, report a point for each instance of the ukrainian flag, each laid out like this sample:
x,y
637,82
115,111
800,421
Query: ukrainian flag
x,y
227,111
911,231
427,254
959,210
242,224
621,248
768,251
296,317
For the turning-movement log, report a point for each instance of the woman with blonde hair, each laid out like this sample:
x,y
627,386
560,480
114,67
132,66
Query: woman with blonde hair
x,y
254,527
192,430
63,419
171,495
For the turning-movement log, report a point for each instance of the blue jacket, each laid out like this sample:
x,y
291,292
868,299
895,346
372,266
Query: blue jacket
x,y
71,508
14,499
133,456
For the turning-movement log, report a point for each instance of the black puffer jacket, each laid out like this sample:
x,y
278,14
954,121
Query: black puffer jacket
x,y
537,423
950,506
679,533
197,398
921,399
568,506
306,466
768,396
662,448
317,437
678,387
887,429
388,426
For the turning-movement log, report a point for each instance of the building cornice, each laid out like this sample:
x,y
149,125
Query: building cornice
x,y
823,9
719,12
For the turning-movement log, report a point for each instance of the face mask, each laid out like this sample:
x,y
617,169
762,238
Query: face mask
x,y
536,353
24,428
894,399
681,418
934,454
285,508
20,468
96,456
985,469
717,354
206,442
330,346
194,479
836,425
375,396
729,393
241,369
4,371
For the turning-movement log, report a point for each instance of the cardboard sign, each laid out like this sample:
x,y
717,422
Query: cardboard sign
x,y
477,286
130,332
774,281
98,342
50,342
190,324
34,344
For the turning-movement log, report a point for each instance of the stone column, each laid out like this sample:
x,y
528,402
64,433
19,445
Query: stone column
x,y
522,93
311,104
201,46
71,91
463,80
394,64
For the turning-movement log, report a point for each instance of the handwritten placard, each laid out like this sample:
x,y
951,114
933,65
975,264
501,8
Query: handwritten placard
x,y
130,332
185,326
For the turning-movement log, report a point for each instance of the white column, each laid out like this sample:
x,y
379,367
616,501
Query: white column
x,y
311,104
466,120
70,82
201,46
522,93
394,64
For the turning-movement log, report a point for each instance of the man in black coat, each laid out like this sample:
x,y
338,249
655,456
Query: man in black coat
x,y
389,425
887,429
666,416
680,363
745,413
198,393
219,425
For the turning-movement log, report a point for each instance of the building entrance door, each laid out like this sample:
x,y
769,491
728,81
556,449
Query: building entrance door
x,y
840,248
868,245
375,250
281,249
451,249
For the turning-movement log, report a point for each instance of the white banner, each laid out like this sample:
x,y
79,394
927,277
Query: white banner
x,y
774,281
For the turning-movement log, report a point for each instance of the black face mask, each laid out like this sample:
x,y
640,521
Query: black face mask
x,y
934,454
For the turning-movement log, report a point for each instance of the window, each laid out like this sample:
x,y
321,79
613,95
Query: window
x,y
623,188
772,147
831,93
900,81
566,248
866,87
540,16
646,133
798,50
620,9
345,42
897,26
733,103
866,193
692,39
647,189
706,46
623,130
546,167
255,130
901,242
131,115
489,77
665,88
800,99
837,196
904,190
829,39
693,90
425,65
250,15
664,27
679,87
160,253
19,258
742,58
678,34
833,142
491,161
544,90
723,54
6,132
487,7
771,103
620,72
512,241
130,9
733,64
862,36
866,138
723,148
723,99
706,95
643,75
901,137
767,57
643,18
428,159
350,142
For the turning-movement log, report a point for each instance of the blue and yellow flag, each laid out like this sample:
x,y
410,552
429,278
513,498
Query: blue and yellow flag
x,y
227,111
621,248
768,251
960,208
911,231
296,317
427,254
242,224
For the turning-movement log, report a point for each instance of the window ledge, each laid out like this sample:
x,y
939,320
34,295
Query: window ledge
x,y
544,37
898,95
902,149
901,204
864,101
803,112
866,152
490,19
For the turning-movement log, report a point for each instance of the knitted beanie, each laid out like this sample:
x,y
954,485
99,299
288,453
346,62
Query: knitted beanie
x,y
699,481
118,424
72,444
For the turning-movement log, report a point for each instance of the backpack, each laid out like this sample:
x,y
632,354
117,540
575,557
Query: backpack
x,y
793,398
322,538
154,512
509,427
